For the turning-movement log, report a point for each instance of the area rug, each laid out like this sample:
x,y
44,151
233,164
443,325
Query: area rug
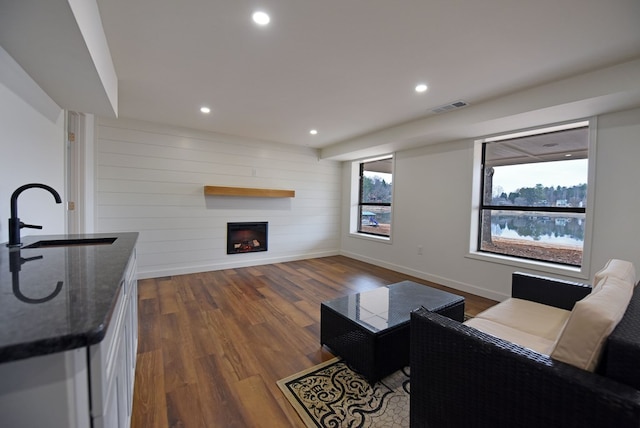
x,y
332,395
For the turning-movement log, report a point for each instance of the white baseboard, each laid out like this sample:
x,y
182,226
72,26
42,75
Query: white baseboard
x,y
468,288
185,270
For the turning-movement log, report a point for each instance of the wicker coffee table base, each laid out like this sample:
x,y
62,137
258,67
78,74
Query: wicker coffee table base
x,y
376,354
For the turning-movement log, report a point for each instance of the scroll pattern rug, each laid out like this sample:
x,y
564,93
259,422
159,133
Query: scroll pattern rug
x,y
332,395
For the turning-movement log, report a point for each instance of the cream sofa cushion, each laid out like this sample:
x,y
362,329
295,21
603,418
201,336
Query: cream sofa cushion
x,y
530,317
615,268
513,335
590,323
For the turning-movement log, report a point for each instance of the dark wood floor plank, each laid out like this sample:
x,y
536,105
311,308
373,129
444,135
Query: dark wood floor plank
x,y
150,395
167,291
285,307
259,405
185,408
220,406
212,345
179,358
149,310
199,329
201,294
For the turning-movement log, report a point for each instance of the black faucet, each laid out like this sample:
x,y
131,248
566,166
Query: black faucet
x,y
15,264
14,222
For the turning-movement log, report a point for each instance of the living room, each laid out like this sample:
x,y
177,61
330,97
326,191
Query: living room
x,y
148,176
183,231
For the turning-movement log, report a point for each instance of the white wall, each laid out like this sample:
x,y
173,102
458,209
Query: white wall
x,y
432,194
617,204
150,179
32,147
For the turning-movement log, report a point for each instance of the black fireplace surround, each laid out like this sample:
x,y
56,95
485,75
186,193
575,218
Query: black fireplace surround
x,y
247,237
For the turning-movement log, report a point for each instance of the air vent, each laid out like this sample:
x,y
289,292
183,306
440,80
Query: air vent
x,y
448,107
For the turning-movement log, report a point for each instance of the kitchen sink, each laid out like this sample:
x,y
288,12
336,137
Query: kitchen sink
x,y
71,242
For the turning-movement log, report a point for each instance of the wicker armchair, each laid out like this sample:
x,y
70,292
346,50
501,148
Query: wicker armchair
x,y
461,377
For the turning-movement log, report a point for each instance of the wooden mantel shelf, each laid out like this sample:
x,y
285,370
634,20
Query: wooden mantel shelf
x,y
247,191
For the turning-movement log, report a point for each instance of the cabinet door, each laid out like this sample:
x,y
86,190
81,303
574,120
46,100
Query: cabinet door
x,y
123,386
131,330
113,360
128,367
104,358
132,277
109,417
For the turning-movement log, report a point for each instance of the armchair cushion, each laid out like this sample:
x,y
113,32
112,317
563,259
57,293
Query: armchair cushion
x,y
522,338
527,316
590,323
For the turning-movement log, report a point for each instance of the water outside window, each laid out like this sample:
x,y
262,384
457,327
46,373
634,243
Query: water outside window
x,y
535,195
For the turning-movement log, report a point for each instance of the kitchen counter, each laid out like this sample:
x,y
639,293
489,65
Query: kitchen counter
x,y
55,299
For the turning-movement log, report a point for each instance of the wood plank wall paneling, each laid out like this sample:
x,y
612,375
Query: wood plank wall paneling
x,y
212,345
149,178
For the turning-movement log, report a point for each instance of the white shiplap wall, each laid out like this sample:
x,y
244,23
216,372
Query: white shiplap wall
x,y
150,179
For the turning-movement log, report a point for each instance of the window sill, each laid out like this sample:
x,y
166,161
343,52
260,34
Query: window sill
x,y
382,239
550,268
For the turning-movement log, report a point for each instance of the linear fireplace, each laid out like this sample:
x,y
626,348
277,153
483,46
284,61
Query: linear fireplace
x,y
247,237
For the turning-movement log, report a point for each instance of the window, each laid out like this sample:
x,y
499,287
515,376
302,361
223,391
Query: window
x,y
534,194
375,185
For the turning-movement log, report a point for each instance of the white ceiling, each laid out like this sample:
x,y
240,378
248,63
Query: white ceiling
x,y
348,67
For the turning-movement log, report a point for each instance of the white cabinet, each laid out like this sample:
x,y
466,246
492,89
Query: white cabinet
x,y
112,361
80,388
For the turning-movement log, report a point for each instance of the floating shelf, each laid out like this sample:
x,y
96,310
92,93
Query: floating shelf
x,y
247,191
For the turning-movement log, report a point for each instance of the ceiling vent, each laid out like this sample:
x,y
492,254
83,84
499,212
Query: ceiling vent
x,y
453,106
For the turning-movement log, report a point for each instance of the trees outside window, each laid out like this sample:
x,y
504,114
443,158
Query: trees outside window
x,y
375,196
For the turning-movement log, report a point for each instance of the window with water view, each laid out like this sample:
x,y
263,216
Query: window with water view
x,y
534,194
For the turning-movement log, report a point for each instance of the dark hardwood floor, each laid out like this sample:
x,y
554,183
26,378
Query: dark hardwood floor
x,y
212,345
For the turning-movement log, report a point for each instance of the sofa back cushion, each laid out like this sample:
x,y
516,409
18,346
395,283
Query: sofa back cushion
x,y
591,321
615,268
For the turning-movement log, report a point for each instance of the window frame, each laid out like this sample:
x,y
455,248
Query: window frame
x,y
357,170
478,205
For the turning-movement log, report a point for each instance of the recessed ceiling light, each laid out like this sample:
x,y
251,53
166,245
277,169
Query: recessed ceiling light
x,y
205,110
421,87
261,18
313,132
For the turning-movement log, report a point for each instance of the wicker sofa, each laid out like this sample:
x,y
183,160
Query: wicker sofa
x,y
464,377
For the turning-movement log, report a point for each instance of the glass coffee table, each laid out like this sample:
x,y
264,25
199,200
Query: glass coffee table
x,y
370,330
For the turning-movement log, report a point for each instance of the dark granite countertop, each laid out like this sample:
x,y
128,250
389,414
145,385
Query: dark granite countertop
x,y
59,298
